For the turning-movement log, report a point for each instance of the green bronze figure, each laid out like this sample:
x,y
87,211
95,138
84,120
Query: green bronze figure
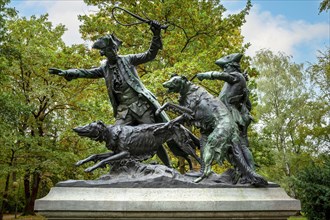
x,y
234,95
220,133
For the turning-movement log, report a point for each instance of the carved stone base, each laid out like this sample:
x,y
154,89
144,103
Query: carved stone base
x,y
131,174
167,203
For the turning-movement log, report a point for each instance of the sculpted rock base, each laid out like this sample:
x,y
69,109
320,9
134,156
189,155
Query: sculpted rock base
x,y
131,174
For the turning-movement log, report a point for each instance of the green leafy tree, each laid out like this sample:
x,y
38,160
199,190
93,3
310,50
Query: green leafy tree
x,y
5,13
7,109
38,108
320,76
319,82
25,55
289,116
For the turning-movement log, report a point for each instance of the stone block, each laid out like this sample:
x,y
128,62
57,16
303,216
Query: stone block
x,y
167,203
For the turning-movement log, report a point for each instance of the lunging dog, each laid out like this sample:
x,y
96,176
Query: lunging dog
x,y
135,142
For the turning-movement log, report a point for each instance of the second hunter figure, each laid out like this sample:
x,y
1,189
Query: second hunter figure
x,y
235,95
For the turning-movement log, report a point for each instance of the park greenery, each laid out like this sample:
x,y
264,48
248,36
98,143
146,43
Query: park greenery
x,y
289,137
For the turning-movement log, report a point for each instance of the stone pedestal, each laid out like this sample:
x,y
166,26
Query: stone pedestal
x,y
167,203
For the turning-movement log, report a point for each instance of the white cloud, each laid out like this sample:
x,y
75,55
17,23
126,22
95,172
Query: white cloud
x,y
277,33
66,13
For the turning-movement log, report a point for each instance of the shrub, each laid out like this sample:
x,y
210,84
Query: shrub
x,y
312,187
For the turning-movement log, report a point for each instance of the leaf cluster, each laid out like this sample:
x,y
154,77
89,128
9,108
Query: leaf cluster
x,y
312,188
38,110
292,114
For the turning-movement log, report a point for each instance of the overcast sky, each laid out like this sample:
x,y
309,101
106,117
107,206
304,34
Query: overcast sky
x,y
294,27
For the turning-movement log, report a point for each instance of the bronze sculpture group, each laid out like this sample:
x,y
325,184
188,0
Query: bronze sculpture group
x,y
142,126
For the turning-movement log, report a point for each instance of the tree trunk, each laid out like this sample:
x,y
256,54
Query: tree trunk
x,y
5,197
31,192
5,192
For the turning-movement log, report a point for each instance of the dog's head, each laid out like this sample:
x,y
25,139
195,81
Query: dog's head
x,y
175,84
93,130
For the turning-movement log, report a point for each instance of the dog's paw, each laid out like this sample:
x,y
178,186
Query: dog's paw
x,y
80,162
90,169
199,179
158,111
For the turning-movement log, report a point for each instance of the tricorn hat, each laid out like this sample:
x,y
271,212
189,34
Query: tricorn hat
x,y
232,58
107,40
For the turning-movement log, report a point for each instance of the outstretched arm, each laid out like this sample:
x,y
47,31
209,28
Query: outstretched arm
x,y
78,73
217,75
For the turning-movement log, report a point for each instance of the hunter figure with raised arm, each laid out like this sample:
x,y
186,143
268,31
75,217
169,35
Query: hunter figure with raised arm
x,y
132,102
